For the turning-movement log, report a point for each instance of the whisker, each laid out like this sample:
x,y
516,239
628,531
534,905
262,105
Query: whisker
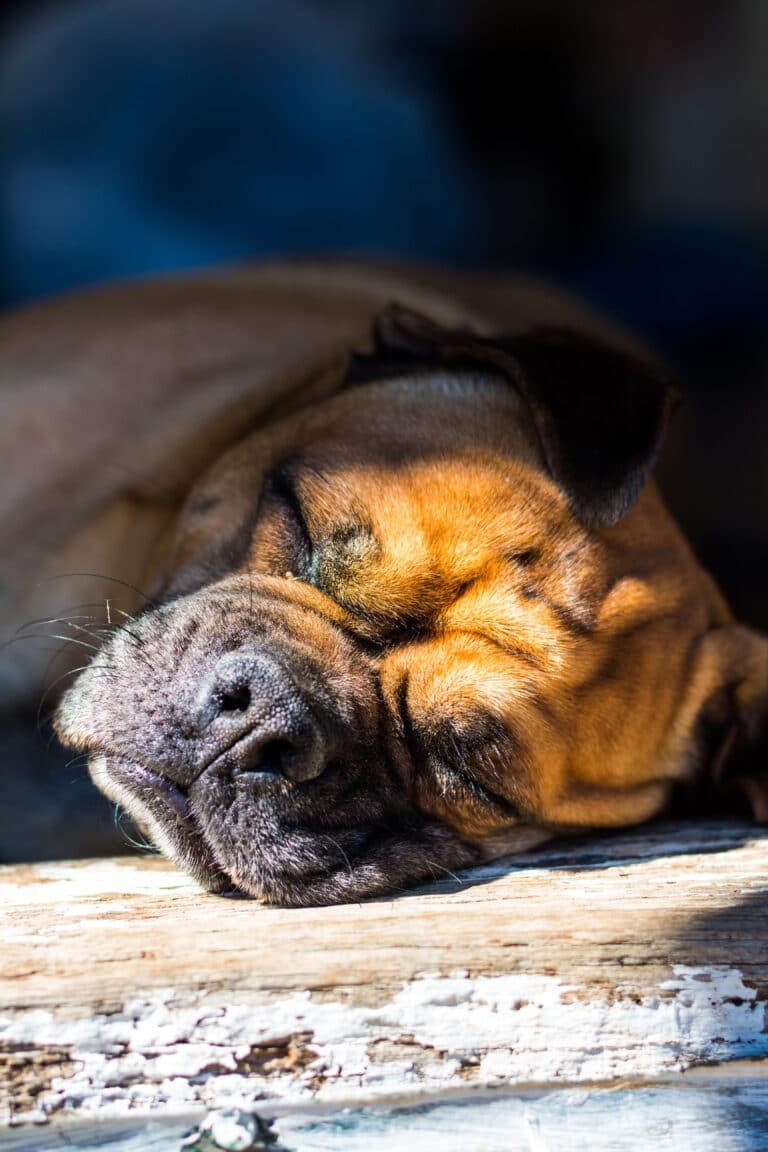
x,y
82,762
48,636
81,628
81,756
68,613
447,871
143,845
119,629
100,576
336,844
99,604
123,627
54,620
127,615
74,640
97,631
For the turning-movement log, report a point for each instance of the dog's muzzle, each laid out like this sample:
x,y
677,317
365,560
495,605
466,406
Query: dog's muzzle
x,y
239,726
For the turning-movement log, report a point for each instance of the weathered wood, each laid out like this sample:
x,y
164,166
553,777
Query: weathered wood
x,y
624,959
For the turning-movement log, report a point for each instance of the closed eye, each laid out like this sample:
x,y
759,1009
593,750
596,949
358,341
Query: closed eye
x,y
280,488
330,560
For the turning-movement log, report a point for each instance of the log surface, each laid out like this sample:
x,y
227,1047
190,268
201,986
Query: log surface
x,y
617,961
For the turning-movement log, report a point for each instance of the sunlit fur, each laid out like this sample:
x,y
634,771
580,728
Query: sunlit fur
x,y
497,664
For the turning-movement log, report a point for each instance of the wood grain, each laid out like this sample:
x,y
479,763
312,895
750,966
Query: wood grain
x,y
625,959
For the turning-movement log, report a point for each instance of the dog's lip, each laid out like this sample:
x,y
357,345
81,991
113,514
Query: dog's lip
x,y
152,790
142,782
167,790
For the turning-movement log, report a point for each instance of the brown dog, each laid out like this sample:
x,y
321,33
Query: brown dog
x,y
408,609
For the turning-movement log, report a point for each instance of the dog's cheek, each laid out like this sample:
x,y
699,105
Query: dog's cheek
x,y
725,721
465,713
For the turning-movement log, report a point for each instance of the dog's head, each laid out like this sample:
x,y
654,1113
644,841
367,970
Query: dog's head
x,y
442,605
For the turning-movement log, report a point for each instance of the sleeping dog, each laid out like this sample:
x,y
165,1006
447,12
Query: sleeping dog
x,y
399,591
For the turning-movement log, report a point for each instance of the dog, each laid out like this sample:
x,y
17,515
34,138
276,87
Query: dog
x,y
388,588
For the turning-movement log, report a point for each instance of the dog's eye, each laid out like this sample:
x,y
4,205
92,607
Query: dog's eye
x,y
279,494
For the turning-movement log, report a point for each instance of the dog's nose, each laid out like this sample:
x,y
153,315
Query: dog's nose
x,y
250,706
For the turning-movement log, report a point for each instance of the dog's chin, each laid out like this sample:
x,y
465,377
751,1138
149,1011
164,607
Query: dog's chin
x,y
229,837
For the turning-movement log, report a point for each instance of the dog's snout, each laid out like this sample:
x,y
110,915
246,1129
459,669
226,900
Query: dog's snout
x,y
251,707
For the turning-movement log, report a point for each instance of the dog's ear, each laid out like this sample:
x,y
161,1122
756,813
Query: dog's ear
x,y
600,412
724,721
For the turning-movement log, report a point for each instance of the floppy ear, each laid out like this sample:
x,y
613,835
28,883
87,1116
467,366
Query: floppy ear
x,y
600,413
725,716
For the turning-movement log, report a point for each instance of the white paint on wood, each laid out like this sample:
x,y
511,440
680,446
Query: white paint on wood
x,y
436,1033
126,990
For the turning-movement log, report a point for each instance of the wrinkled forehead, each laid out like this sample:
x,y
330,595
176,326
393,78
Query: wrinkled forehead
x,y
413,481
385,427
433,414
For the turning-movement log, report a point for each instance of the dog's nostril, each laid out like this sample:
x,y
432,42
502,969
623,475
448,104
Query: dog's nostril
x,y
236,699
296,759
273,757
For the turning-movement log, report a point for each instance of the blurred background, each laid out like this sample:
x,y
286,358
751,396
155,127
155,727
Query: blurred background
x,y
619,148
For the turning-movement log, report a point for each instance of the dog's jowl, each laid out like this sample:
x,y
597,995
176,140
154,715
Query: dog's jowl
x,y
413,595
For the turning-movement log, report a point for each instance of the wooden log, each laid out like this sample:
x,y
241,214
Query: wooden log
x,y
622,960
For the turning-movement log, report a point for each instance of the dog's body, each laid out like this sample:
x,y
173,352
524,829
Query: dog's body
x,y
405,610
